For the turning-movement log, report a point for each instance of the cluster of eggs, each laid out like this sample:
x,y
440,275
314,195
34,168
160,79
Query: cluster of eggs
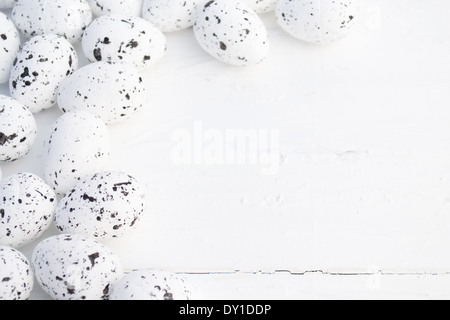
x,y
88,205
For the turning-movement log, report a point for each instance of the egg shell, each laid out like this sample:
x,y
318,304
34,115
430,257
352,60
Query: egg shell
x,y
150,285
9,46
105,206
121,38
74,267
16,275
38,70
7,4
262,6
26,209
321,21
18,129
128,7
112,91
78,146
231,32
67,18
170,15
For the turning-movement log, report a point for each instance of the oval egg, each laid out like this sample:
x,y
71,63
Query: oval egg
x,y
73,267
16,274
78,146
112,91
128,7
26,209
9,46
66,18
320,21
121,38
39,68
18,129
105,206
170,15
150,285
231,32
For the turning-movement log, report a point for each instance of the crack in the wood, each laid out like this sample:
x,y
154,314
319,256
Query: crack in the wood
x,y
321,272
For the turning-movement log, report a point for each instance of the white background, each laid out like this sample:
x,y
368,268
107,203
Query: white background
x,y
360,207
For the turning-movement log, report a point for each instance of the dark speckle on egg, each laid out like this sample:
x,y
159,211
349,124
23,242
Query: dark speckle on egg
x,y
98,54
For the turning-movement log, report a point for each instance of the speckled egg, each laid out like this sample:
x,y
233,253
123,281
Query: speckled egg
x,y
150,285
18,129
170,15
128,7
26,209
7,4
39,68
262,6
78,146
9,46
112,91
105,206
16,275
74,267
67,18
320,21
121,38
231,32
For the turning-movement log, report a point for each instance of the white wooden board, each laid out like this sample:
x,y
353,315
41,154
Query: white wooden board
x,y
360,181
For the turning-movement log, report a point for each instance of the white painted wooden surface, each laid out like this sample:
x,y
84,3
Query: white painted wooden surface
x,y
360,206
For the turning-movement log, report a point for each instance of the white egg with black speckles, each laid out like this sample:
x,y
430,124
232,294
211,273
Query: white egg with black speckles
x,y
18,129
7,4
262,6
121,38
27,206
106,206
74,267
320,21
38,70
67,18
9,46
231,32
112,91
171,15
16,275
150,285
78,146
128,7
